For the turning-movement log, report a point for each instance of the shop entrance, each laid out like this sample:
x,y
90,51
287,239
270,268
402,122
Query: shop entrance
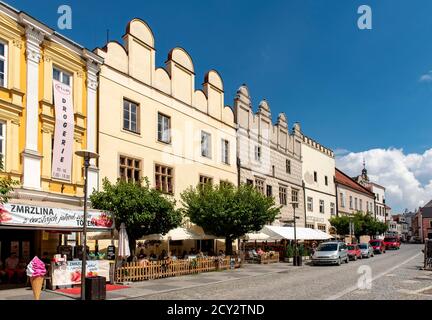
x,y
17,247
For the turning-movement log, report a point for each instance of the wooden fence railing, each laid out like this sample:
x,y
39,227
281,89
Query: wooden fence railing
x,y
140,271
269,258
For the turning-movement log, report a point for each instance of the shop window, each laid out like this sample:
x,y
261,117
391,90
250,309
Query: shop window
x,y
164,178
130,169
130,116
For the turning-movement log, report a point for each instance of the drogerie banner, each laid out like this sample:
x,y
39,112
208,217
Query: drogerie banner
x,y
64,131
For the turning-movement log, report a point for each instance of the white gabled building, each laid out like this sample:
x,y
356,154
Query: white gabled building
x,y
318,170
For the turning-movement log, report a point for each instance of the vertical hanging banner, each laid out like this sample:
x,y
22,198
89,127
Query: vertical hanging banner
x,y
64,131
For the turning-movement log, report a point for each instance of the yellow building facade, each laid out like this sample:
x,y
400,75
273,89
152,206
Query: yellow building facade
x,y
32,55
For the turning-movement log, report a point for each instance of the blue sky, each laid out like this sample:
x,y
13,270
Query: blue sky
x,y
351,89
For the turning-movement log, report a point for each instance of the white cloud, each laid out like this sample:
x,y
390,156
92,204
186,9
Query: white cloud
x,y
406,177
426,77
340,152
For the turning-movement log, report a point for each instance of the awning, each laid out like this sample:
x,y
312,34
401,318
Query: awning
x,y
301,233
260,236
179,234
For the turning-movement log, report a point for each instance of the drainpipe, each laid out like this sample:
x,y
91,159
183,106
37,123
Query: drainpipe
x,y
238,171
337,198
304,201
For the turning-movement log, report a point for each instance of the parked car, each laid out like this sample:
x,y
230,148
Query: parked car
x,y
332,252
378,246
392,243
354,251
366,250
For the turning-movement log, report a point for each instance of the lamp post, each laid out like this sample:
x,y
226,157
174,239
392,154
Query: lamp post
x,y
87,155
294,205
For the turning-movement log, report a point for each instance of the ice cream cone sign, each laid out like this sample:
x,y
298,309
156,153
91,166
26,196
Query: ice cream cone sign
x,y
36,271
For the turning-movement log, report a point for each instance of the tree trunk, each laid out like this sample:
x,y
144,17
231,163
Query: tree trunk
x,y
132,247
228,246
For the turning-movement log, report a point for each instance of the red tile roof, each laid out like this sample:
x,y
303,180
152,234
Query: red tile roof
x,y
342,178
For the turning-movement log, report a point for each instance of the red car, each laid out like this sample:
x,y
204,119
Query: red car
x,y
378,245
354,251
392,243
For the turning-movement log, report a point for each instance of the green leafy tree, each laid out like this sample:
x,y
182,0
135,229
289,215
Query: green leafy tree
x,y
142,209
228,211
341,224
6,185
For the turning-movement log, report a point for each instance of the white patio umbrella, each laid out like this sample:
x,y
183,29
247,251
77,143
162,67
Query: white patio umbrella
x,y
123,251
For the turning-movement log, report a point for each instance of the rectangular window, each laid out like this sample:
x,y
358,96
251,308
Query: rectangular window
x,y
326,180
310,204
377,197
205,144
273,171
367,206
2,146
310,225
249,182
269,191
164,178
342,199
203,180
315,176
294,197
62,76
351,202
225,151
283,195
371,207
164,128
130,169
321,202
257,153
332,208
361,204
355,204
259,185
3,64
288,166
322,227
130,116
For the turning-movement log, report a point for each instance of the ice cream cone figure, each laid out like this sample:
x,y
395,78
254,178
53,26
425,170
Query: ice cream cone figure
x,y
36,271
36,283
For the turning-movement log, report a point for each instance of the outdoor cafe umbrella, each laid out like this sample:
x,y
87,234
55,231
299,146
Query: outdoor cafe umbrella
x,y
124,250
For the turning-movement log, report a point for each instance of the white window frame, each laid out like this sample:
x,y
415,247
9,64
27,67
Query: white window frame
x,y
6,60
225,151
164,135
321,206
258,153
206,143
3,149
137,116
332,208
62,73
342,197
310,204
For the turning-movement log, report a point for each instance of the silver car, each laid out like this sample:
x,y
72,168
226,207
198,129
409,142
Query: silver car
x,y
366,250
332,252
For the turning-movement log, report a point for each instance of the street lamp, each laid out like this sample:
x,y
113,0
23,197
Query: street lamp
x,y
294,205
87,155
